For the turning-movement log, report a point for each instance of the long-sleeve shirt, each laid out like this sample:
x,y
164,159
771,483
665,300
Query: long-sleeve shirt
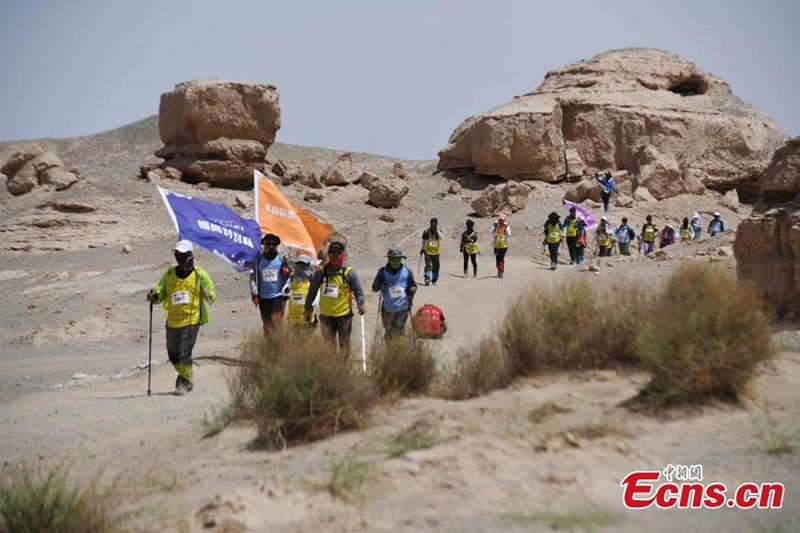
x,y
351,278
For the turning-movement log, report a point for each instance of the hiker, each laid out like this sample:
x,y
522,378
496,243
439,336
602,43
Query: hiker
x,y
269,279
624,234
686,231
573,227
338,282
429,322
469,248
501,232
604,239
299,284
396,283
431,245
716,225
553,237
667,236
697,225
580,245
649,233
606,182
184,290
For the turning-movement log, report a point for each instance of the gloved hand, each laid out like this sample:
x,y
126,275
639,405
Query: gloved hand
x,y
152,297
362,309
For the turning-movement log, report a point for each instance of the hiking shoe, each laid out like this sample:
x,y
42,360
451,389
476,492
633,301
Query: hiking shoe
x,y
499,274
182,386
427,282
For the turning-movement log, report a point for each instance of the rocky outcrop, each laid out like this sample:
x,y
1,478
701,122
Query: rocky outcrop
x,y
345,171
767,245
643,110
33,167
387,192
218,131
510,197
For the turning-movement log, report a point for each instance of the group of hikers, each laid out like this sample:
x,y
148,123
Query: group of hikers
x,y
313,296
328,295
573,230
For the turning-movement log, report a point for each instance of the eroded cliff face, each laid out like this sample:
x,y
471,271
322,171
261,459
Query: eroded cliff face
x,y
767,246
603,112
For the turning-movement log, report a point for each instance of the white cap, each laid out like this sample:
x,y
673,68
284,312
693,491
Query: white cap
x,y
716,213
303,259
184,246
604,219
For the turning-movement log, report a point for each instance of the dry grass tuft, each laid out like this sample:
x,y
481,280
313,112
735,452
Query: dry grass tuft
x,y
481,368
703,338
296,389
402,365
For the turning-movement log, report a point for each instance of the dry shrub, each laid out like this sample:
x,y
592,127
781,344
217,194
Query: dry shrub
x,y
703,338
481,368
402,365
572,327
296,389
47,501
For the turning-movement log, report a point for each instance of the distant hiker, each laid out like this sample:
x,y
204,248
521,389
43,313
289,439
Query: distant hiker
x,y
667,236
431,246
397,286
686,231
501,233
184,290
606,181
337,282
553,237
605,240
716,225
299,284
624,234
469,248
573,227
269,280
697,225
649,234
580,245
429,322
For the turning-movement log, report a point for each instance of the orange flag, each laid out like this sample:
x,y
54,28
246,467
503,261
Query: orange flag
x,y
275,214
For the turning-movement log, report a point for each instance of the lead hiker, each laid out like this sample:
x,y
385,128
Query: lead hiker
x,y
269,279
431,247
337,282
469,248
396,283
606,181
716,226
501,233
184,291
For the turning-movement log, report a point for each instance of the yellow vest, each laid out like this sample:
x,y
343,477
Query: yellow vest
x,y
297,302
432,243
686,236
604,240
553,233
471,247
572,227
183,300
649,233
334,298
500,240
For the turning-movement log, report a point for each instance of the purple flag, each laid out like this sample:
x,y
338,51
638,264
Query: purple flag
x,y
215,227
583,214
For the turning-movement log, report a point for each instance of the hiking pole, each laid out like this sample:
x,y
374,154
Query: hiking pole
x,y
419,264
150,350
363,346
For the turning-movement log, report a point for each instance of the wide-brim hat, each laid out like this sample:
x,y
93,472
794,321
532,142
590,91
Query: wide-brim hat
x,y
395,252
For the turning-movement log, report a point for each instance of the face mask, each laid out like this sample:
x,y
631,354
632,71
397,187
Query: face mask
x,y
395,263
336,261
185,261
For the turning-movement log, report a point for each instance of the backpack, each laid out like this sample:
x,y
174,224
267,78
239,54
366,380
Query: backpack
x,y
427,322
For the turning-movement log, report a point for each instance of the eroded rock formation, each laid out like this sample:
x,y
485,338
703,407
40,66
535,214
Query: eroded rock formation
x,y
35,166
646,111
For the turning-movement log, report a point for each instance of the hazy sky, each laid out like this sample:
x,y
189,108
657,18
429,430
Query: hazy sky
x,y
393,78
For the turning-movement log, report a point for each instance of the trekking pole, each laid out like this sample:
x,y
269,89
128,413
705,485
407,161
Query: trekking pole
x,y
363,347
150,350
419,264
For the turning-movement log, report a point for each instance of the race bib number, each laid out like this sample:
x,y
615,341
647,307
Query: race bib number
x,y
269,274
555,235
501,238
298,297
397,291
432,243
331,291
180,298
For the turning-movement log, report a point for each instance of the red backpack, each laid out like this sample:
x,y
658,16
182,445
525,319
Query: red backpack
x,y
427,321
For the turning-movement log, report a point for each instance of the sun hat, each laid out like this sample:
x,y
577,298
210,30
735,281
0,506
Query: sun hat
x,y
183,246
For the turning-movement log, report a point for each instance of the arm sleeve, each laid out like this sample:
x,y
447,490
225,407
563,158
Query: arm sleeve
x,y
379,281
355,286
207,284
254,277
161,286
313,289
412,284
